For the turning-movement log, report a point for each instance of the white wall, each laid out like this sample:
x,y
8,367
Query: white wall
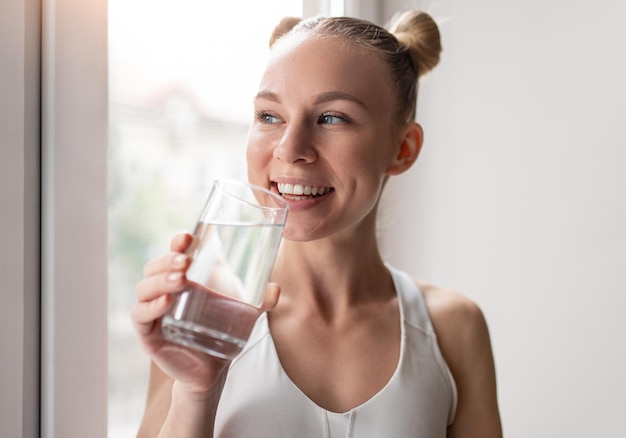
x,y
519,201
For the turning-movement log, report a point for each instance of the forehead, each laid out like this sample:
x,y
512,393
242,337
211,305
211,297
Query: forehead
x,y
301,64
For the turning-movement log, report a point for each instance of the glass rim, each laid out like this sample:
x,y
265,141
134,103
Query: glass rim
x,y
223,183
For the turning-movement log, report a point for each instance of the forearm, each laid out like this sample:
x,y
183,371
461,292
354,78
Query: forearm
x,y
192,415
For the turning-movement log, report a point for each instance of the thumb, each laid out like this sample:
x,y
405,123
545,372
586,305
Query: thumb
x,y
272,293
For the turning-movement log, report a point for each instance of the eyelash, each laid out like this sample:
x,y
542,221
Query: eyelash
x,y
342,118
264,116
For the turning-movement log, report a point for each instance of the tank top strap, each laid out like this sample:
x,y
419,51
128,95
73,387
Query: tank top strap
x,y
413,308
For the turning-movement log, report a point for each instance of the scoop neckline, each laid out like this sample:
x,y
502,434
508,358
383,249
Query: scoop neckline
x,y
384,388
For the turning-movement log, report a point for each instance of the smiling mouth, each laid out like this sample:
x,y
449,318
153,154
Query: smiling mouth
x,y
298,192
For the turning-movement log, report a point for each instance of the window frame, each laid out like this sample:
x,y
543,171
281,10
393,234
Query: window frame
x,y
19,216
74,111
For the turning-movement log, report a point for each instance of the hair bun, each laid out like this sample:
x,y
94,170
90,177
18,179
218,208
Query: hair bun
x,y
419,32
283,27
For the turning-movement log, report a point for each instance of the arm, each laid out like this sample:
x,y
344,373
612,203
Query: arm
x,y
172,411
463,338
157,403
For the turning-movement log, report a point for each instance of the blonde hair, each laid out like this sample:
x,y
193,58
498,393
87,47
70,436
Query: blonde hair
x,y
410,48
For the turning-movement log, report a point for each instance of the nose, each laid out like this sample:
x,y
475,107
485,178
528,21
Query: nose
x,y
295,146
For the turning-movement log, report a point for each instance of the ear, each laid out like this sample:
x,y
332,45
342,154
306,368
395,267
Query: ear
x,y
408,149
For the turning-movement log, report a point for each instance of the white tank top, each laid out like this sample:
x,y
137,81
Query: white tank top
x,y
260,401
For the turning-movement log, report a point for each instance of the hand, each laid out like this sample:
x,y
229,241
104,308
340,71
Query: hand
x,y
195,373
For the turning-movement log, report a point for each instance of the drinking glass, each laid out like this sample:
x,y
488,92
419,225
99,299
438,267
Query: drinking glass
x,y
234,246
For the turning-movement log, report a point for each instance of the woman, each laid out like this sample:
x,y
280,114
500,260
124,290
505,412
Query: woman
x,y
353,347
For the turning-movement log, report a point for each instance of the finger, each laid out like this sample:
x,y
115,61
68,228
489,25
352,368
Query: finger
x,y
272,294
170,262
154,286
181,241
144,315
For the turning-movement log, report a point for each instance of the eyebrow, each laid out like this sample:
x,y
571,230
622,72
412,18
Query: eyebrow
x,y
328,96
267,95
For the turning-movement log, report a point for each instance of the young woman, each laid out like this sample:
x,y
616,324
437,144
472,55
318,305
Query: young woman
x,y
354,347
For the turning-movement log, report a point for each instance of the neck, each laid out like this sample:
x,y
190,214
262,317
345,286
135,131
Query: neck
x,y
332,274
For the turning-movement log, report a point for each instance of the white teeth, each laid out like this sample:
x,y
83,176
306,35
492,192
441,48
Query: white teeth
x,y
300,190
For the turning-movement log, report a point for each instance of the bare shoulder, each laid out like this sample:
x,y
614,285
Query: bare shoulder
x,y
463,338
459,324
453,314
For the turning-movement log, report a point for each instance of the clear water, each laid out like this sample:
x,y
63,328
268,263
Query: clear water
x,y
210,322
229,274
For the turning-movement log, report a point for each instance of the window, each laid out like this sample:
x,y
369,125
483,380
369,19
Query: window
x,y
181,80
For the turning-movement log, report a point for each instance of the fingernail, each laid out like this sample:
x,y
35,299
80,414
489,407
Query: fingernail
x,y
175,277
180,259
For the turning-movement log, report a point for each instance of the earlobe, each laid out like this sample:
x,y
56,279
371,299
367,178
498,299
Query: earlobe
x,y
408,150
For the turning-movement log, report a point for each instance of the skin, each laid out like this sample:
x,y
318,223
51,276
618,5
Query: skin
x,y
318,124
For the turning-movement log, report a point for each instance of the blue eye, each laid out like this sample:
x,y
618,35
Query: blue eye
x,y
331,119
265,117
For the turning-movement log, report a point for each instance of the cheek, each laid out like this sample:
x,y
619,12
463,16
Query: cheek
x,y
252,162
257,160
375,156
259,146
